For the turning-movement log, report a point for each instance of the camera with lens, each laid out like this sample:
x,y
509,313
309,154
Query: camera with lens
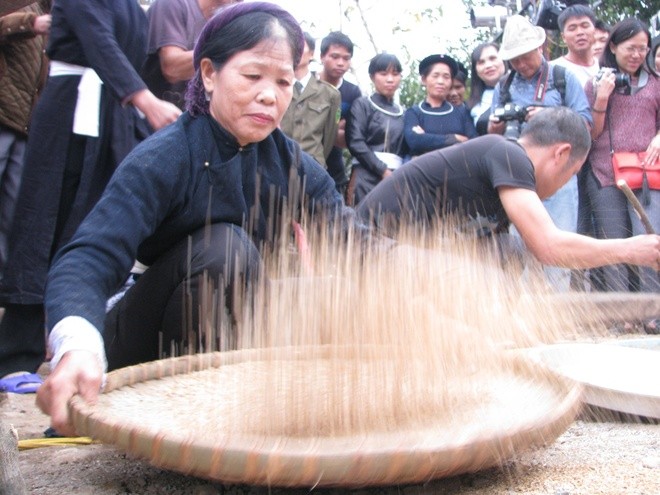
x,y
514,115
621,79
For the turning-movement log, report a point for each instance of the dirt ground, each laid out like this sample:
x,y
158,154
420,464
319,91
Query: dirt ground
x,y
608,455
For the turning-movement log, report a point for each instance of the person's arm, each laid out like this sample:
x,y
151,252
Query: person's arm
x,y
552,246
79,372
420,141
159,113
22,25
176,64
599,95
495,126
653,149
576,99
469,129
90,21
87,270
332,123
340,140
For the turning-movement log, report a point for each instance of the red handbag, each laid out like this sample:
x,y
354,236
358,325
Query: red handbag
x,y
629,167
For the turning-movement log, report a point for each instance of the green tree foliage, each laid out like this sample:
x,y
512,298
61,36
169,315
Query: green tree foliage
x,y
411,90
612,11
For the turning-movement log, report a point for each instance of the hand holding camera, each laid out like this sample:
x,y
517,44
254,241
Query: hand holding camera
x,y
608,80
513,116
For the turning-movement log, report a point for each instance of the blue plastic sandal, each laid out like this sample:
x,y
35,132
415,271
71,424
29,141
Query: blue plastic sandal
x,y
27,383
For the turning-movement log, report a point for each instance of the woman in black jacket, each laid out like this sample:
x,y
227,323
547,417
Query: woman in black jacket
x,y
375,133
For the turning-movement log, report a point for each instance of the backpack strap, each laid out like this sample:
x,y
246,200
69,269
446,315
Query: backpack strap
x,y
558,77
559,80
505,84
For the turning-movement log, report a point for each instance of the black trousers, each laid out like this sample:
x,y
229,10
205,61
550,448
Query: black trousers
x,y
22,338
22,329
219,262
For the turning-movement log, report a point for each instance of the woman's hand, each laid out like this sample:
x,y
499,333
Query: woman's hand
x,y
159,113
460,138
77,373
653,151
387,173
603,88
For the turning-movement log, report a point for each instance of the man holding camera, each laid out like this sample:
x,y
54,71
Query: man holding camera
x,y
533,84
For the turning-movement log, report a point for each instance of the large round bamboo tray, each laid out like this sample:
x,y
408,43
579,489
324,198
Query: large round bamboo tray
x,y
529,406
618,376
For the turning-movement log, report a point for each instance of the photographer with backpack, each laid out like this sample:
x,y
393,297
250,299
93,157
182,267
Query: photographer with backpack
x,y
532,84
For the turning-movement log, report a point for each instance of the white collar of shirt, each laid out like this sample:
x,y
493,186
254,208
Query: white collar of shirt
x,y
305,80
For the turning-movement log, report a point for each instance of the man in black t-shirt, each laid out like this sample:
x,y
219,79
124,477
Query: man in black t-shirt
x,y
460,180
504,181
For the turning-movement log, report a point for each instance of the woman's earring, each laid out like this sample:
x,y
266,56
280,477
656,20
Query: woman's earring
x,y
207,96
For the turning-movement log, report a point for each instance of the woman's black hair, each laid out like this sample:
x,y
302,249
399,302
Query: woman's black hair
x,y
623,31
461,77
477,85
235,29
382,62
650,60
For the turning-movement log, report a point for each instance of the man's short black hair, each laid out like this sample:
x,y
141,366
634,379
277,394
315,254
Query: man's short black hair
x,y
336,38
601,25
577,10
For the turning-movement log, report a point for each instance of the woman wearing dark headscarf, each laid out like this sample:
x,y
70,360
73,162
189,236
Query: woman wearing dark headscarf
x,y
435,123
198,199
375,133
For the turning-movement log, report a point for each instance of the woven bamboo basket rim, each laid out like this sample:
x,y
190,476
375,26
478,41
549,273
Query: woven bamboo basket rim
x,y
400,459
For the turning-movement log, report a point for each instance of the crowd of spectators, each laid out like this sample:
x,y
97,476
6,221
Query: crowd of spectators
x,y
134,70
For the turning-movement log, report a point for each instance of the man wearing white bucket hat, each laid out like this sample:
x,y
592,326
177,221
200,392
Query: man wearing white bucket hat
x,y
532,84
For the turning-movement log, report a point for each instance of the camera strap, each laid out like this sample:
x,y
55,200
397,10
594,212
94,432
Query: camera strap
x,y
541,85
505,84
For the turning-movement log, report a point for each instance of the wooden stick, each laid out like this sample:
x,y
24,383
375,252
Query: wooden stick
x,y
639,209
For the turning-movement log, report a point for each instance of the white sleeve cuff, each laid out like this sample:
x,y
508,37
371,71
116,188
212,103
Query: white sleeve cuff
x,y
75,333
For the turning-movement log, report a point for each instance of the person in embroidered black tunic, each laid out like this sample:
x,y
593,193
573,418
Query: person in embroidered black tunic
x,y
375,131
435,123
